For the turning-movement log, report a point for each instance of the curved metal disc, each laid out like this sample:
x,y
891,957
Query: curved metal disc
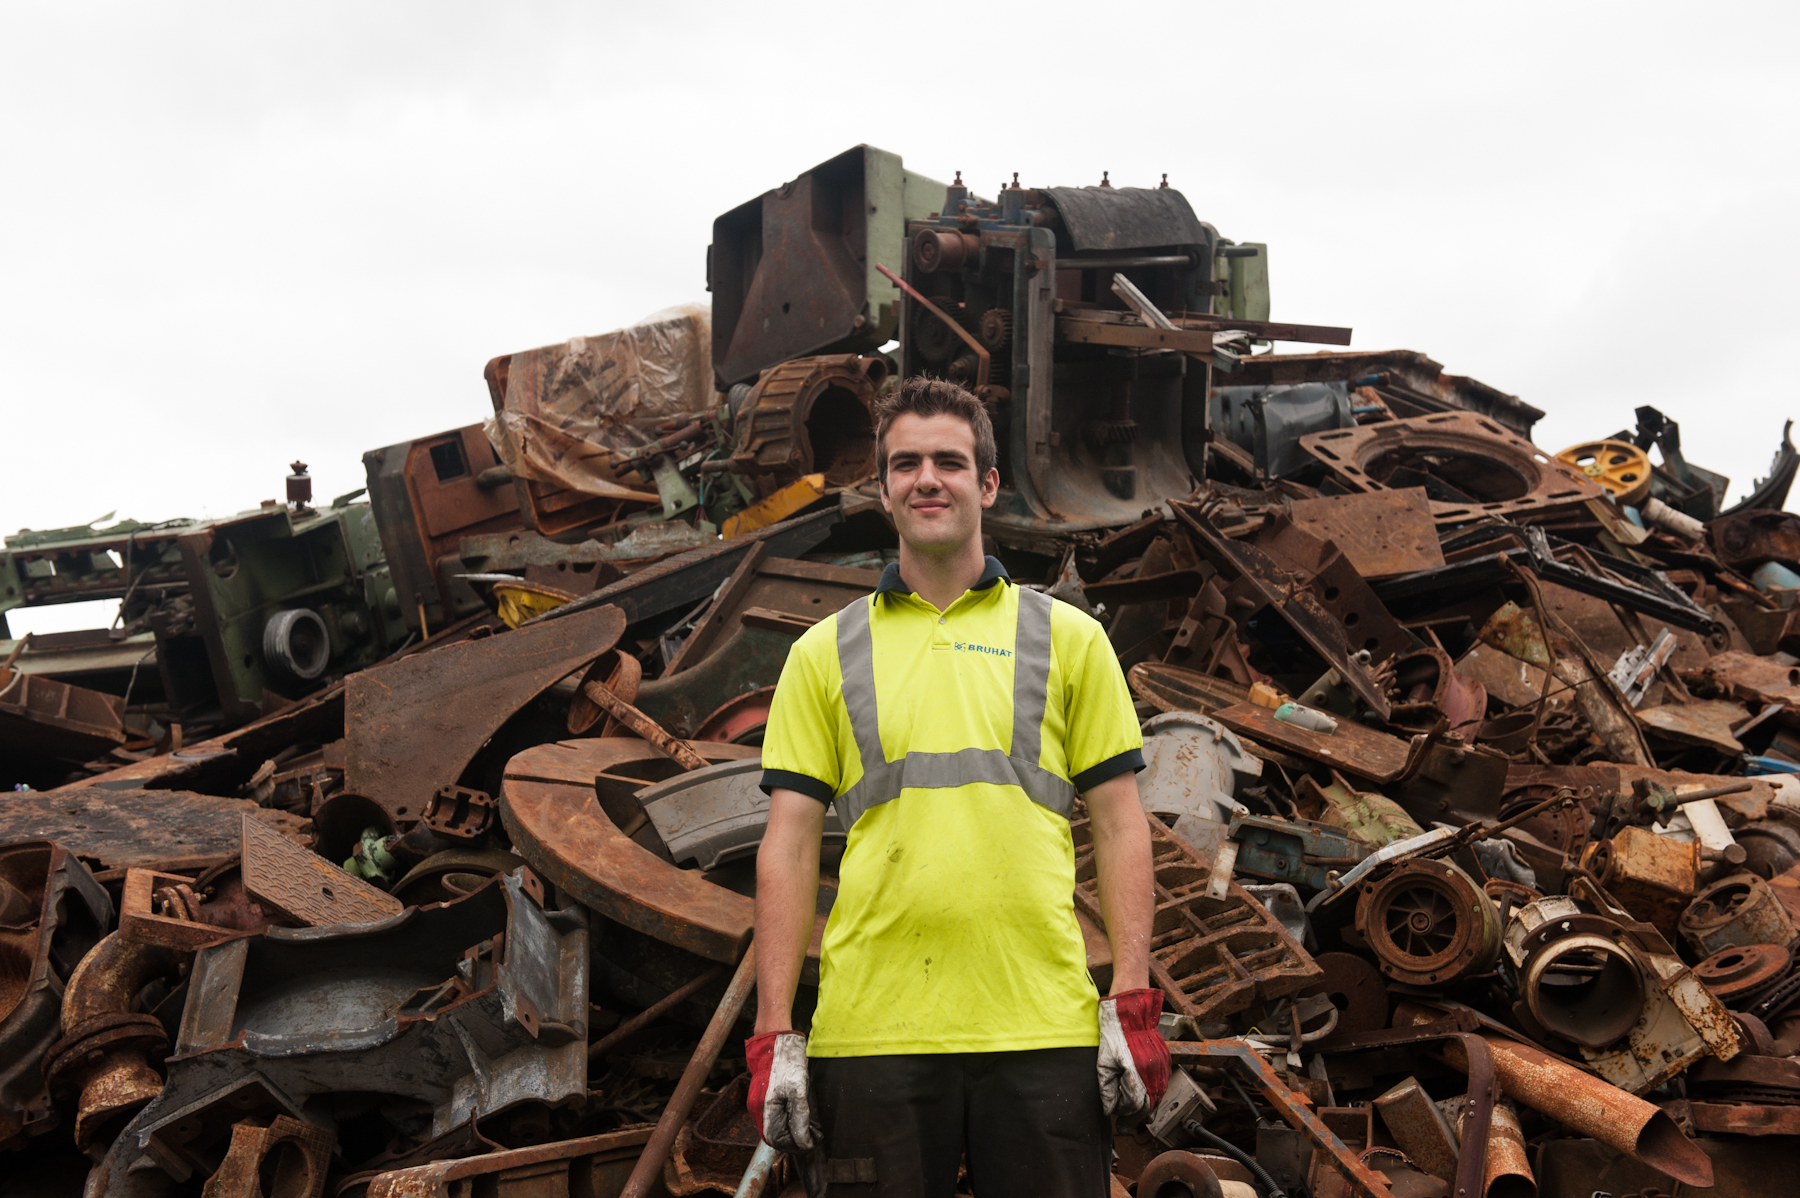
x,y
550,809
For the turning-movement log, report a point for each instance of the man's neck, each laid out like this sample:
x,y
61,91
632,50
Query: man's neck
x,y
941,579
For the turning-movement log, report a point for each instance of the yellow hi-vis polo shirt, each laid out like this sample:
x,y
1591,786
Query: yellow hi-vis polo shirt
x,y
953,744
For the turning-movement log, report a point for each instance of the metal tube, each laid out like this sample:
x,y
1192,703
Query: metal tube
x,y
1584,1103
1123,263
653,1012
646,1175
756,1177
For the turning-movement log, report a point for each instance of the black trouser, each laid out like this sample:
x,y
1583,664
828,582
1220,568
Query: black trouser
x,y
1031,1123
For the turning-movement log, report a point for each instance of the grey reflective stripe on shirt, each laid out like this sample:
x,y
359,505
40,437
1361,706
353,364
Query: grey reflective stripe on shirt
x,y
883,780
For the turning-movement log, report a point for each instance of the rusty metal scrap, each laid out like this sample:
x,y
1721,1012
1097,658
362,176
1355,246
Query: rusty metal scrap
x,y
1470,781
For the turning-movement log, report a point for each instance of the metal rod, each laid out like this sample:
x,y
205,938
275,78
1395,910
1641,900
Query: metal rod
x,y
653,1012
1123,263
756,1177
648,1171
981,353
654,734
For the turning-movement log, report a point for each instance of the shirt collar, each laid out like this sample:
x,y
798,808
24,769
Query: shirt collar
x,y
991,573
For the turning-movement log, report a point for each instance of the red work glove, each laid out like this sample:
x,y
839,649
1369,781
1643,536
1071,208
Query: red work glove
x,y
1134,1060
781,1095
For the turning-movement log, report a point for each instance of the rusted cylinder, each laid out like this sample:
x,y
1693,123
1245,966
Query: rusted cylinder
x,y
1508,1173
1178,1174
1582,1102
943,249
1592,1008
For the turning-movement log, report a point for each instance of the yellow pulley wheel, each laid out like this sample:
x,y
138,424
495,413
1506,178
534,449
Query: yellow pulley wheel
x,y
1619,466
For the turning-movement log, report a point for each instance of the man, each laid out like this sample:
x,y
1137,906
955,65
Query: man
x,y
952,718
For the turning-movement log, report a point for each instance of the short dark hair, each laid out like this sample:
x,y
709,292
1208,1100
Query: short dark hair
x,y
923,395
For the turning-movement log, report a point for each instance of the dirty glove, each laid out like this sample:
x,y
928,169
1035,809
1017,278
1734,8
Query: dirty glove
x,y
1134,1060
780,1096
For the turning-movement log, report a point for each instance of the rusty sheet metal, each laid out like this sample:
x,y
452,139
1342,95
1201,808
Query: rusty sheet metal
x,y
1705,722
41,717
1745,1119
1289,1105
1382,533
412,726
1419,1127
1582,1102
799,588
153,829
1177,688
1762,679
1353,748
1210,955
591,1165
303,885
1515,683
550,809
288,1157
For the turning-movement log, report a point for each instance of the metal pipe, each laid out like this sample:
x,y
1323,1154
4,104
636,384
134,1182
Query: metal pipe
x,y
756,1177
1127,263
648,1173
1508,1173
1582,1102
653,1012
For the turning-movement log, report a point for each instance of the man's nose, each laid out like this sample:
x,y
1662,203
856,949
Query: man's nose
x,y
928,479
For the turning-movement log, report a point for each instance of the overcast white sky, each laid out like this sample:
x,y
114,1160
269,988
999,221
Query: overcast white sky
x,y
232,235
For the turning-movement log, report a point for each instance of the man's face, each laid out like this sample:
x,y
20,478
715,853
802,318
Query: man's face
x,y
932,489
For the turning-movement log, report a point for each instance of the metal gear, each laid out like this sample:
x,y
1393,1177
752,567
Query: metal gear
x,y
995,329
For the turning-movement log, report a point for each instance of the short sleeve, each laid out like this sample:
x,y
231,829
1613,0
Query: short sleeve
x,y
800,743
1103,738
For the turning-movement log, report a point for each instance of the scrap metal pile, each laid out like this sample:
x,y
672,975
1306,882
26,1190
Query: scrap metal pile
x,y
406,845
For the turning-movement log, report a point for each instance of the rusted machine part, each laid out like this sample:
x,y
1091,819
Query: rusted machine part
x,y
1582,1102
648,1172
1651,876
1508,1173
1428,923
1747,1078
189,914
1584,987
1753,537
1178,1174
1356,988
606,1159
739,721
1502,473
461,813
1420,1128
292,1155
431,880
1214,949
43,717
1427,687
622,678
105,1051
412,726
550,809
810,416
653,733
55,913
1738,974
1289,1105
1177,688
1771,847
1735,911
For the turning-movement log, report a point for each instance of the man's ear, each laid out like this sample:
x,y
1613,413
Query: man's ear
x,y
887,505
990,487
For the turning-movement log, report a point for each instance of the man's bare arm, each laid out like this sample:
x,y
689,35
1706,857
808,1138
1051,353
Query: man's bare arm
x,y
1123,861
787,895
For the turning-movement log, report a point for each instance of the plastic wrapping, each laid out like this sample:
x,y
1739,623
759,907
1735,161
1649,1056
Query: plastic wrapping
x,y
569,407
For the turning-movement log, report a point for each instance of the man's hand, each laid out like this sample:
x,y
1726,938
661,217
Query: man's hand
x,y
780,1093
1134,1059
